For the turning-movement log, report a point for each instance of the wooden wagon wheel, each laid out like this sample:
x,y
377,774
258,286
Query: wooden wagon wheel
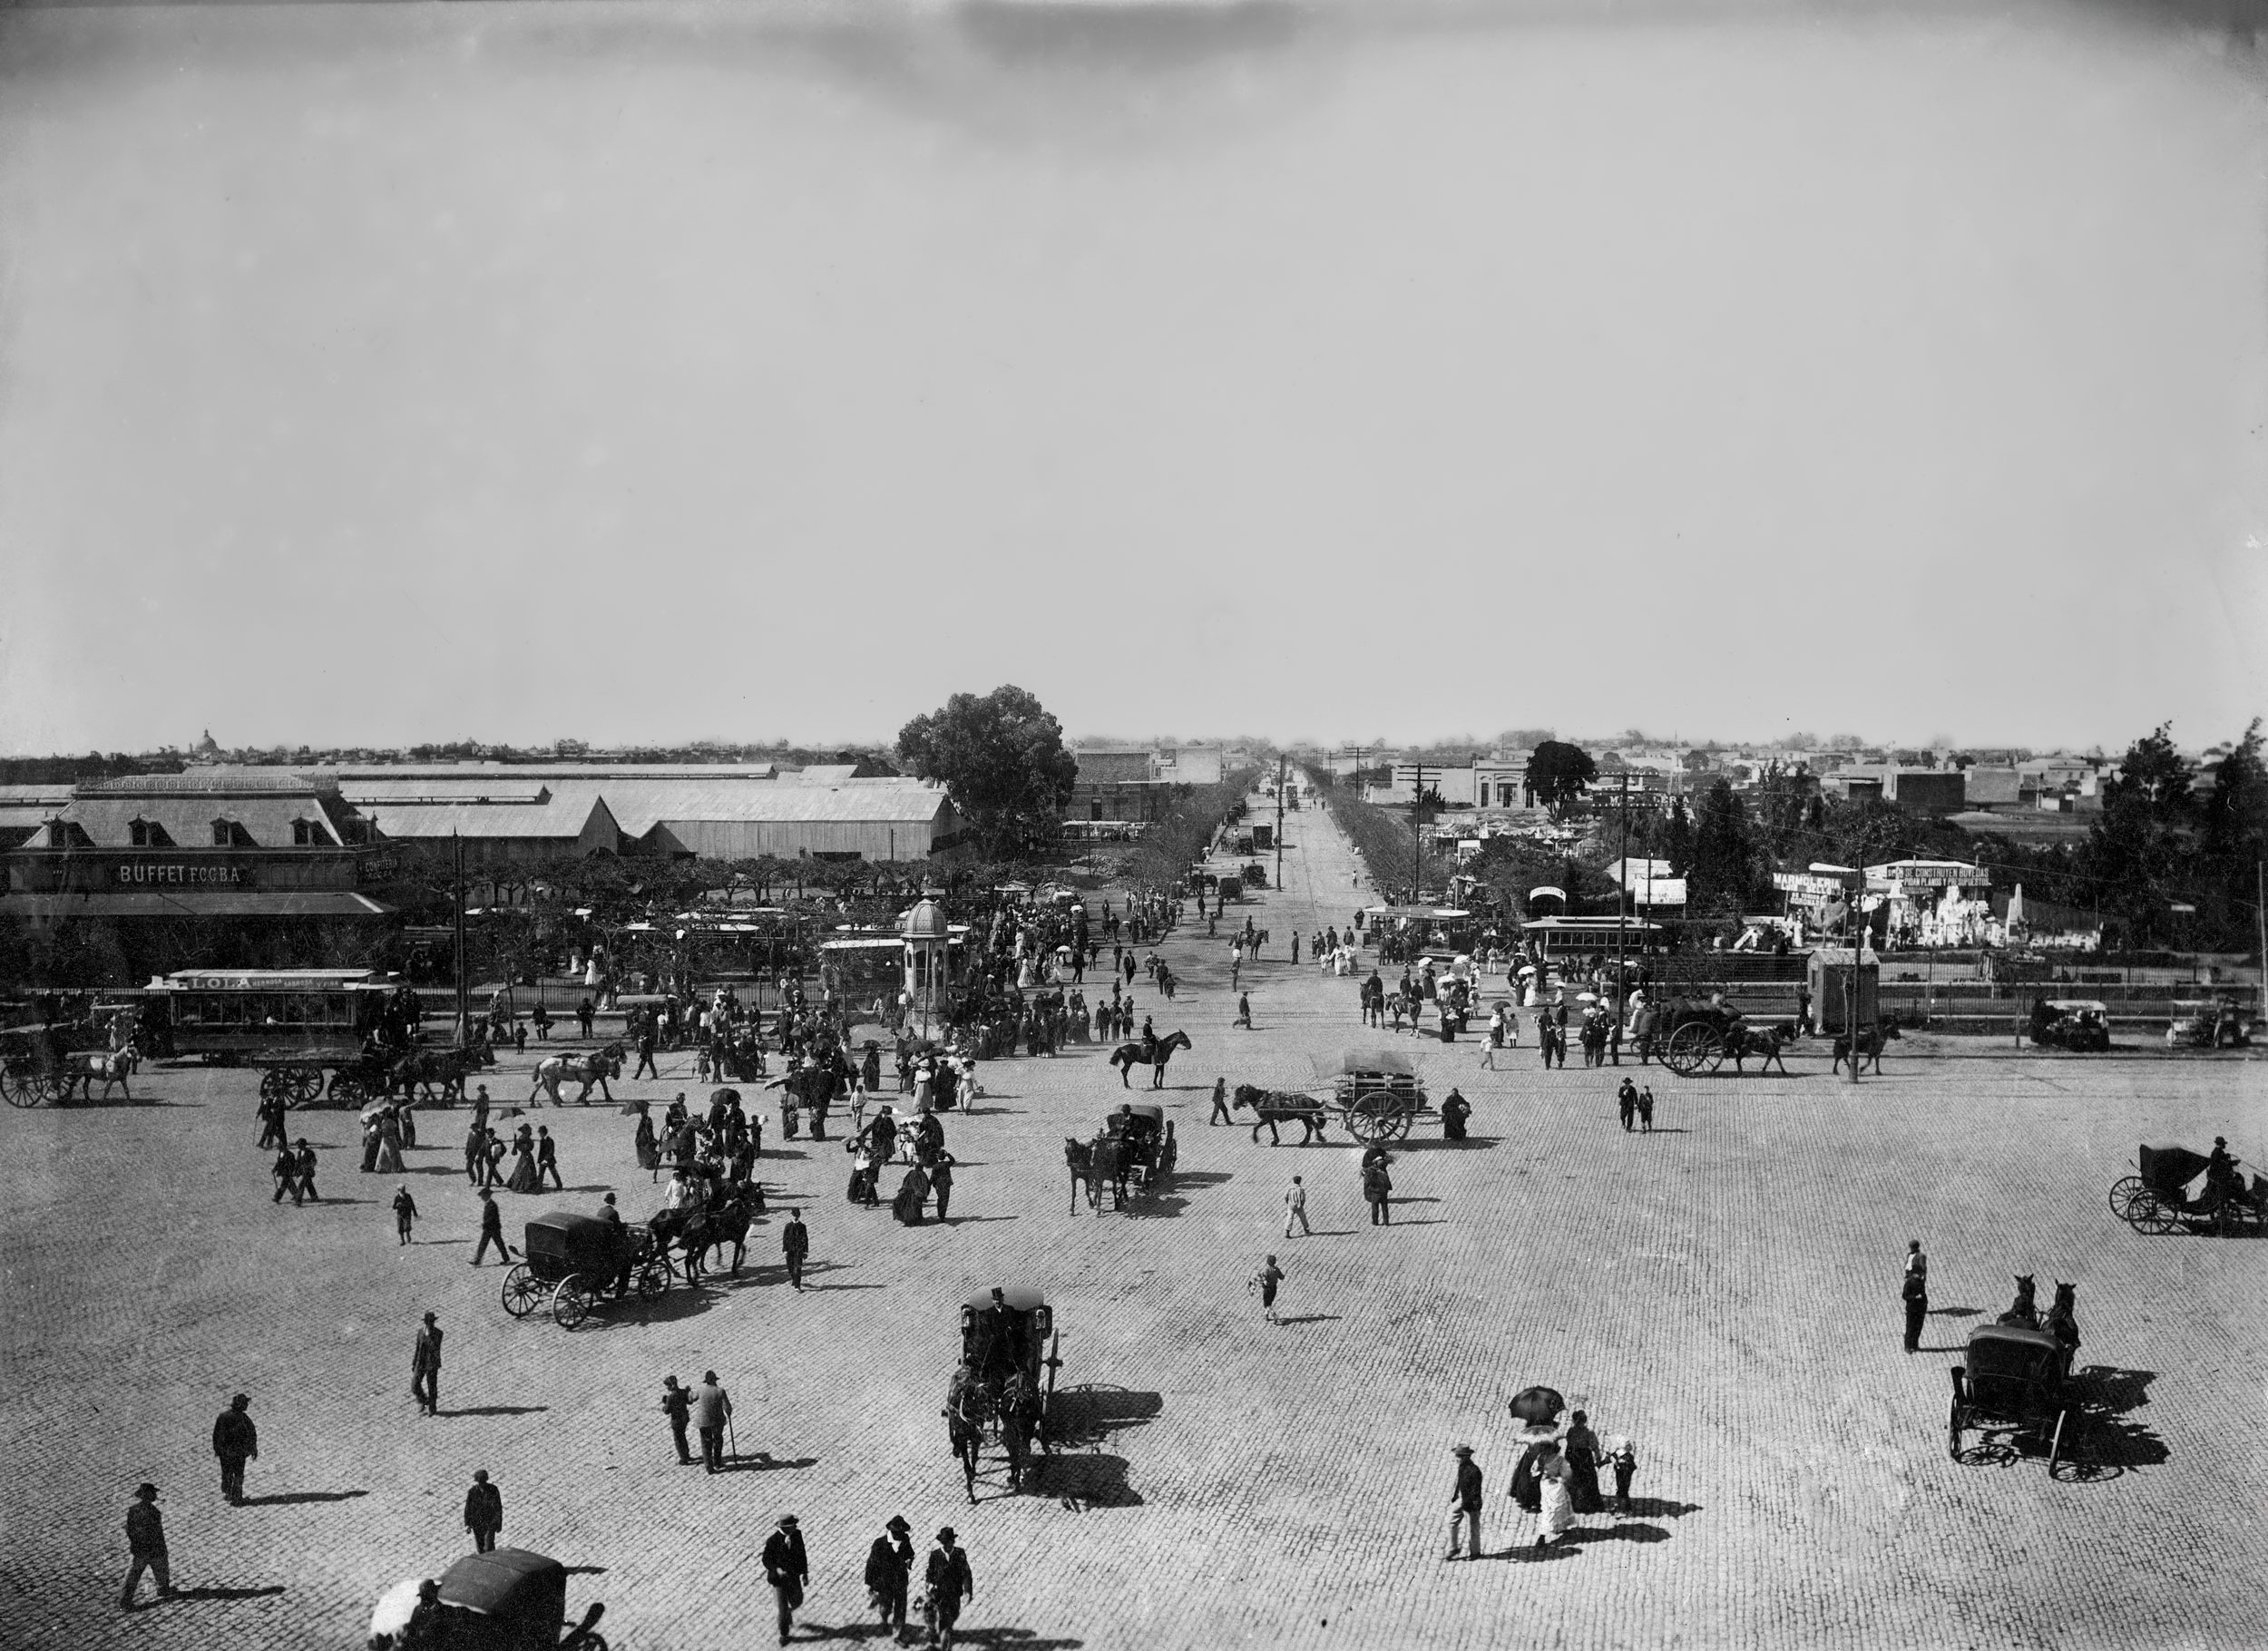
x,y
1689,1046
1952,1430
652,1278
2125,1194
523,1290
16,1086
273,1085
1371,1117
571,1302
2154,1215
348,1087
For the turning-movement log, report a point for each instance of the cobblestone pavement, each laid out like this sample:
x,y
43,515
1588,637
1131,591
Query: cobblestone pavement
x,y
1724,1290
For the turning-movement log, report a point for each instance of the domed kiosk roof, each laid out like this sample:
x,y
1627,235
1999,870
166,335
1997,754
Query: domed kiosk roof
x,y
926,921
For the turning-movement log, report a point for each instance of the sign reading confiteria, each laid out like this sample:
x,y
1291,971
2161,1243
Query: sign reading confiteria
x,y
137,872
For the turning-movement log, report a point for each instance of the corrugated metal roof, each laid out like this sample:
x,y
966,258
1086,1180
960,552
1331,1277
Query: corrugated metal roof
x,y
556,770
32,797
268,819
501,791
557,818
211,782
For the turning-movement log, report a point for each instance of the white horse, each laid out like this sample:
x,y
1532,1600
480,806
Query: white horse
x,y
112,1066
585,1069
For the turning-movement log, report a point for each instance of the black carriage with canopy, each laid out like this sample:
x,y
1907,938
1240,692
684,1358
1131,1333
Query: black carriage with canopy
x,y
1146,1144
2158,1200
2014,1380
575,1262
509,1599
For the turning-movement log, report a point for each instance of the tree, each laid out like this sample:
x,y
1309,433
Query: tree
x,y
1557,772
2152,775
1724,853
1678,838
2235,815
1002,761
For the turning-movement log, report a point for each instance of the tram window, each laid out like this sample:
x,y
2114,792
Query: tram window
x,y
232,1010
190,1009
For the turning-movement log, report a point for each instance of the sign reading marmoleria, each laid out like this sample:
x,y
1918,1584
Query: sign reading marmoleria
x,y
136,873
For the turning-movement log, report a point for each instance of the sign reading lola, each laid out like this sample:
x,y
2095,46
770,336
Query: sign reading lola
x,y
141,872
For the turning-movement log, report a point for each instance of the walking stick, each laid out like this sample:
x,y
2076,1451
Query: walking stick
x,y
734,1434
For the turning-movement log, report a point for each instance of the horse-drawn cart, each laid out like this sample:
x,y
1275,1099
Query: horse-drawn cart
x,y
1145,1143
1376,1093
1004,1388
578,1261
2158,1200
35,1062
2014,1380
506,1599
1694,1033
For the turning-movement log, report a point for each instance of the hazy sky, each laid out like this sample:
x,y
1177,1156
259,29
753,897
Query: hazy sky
x,y
379,373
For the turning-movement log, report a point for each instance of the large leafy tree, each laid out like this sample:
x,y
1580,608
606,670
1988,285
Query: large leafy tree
x,y
1557,772
1725,859
1002,761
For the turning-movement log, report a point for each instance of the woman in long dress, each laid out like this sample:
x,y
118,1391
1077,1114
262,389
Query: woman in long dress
x,y
523,1177
649,1147
1555,1515
390,1142
1583,1456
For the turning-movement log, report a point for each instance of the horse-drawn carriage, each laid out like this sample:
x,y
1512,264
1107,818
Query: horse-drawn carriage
x,y
2158,1201
2079,1024
1004,1388
1692,1033
1135,1148
45,1062
2219,1024
578,1261
506,1599
2015,1380
1376,1093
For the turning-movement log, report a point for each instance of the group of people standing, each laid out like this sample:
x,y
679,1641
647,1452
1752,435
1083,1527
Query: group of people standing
x,y
1557,1479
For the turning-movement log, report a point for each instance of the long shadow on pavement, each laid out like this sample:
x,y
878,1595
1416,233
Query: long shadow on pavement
x,y
294,1497
272,1589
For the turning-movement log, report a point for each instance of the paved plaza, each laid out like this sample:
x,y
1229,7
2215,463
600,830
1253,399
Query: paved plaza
x,y
1724,1291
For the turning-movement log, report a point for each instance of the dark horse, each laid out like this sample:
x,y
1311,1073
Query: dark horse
x,y
1095,1162
1127,1056
1271,1108
696,1235
2023,1311
1870,1046
2063,1323
443,1070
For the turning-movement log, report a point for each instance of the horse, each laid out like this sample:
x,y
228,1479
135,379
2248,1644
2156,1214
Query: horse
x,y
1869,1047
81,1068
2062,1322
966,1411
445,1070
722,1223
1765,1042
1271,1108
1097,1162
1017,1413
1127,1056
2023,1311
586,1070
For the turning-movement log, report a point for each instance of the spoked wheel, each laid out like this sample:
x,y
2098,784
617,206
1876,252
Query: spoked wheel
x,y
653,1279
522,1292
571,1302
17,1087
34,1088
1690,1046
1371,1118
348,1089
2125,1194
273,1085
2153,1215
303,1084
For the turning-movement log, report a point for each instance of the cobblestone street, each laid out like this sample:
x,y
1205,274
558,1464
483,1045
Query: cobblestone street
x,y
1724,1291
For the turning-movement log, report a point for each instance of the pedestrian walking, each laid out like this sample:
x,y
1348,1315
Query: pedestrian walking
x,y
1464,1504
889,1569
1581,1448
1555,1505
1378,1190
1455,1110
404,1213
940,1181
1623,1454
1646,1110
1266,1282
1220,1113
1244,1010
425,1368
483,1512
794,1244
305,1157
145,1544
235,1441
677,1404
786,1570
1916,1293
712,1408
475,1150
1627,1104
492,1231
286,1171
951,1587
546,1158
1296,1209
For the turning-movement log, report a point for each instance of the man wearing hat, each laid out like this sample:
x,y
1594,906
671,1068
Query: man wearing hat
x,y
483,1512
949,1587
786,1570
1464,1504
713,1408
889,1567
234,1441
145,1540
425,1368
677,1404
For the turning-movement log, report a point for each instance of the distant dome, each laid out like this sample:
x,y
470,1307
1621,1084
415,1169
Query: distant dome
x,y
926,921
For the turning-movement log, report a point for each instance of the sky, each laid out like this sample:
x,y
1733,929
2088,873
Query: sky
x,y
381,375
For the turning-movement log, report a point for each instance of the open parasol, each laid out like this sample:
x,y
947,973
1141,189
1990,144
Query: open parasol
x,y
1537,1409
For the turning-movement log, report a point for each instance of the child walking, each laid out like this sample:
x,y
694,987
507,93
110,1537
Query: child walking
x,y
404,1211
1265,1280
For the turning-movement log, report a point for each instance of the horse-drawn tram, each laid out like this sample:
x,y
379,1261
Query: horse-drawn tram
x,y
297,1025
576,1262
1004,1386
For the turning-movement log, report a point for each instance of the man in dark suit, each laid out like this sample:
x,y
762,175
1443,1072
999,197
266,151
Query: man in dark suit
x,y
786,1570
234,1441
795,1243
676,1404
889,1569
949,1587
483,1513
425,1368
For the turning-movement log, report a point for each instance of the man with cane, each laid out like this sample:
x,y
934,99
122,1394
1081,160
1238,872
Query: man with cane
x,y
712,1414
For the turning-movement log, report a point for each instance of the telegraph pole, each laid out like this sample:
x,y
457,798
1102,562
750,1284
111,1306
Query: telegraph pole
x,y
1417,833
1622,890
1279,819
464,1009
1851,991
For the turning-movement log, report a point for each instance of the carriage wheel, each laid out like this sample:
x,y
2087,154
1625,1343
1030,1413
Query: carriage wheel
x,y
272,1085
523,1290
571,1302
653,1279
2228,1220
1371,1118
2125,1194
1689,1046
348,1088
17,1087
1953,1431
2154,1215
33,1088
305,1083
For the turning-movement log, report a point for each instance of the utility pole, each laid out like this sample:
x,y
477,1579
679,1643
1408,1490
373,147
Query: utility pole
x,y
1622,890
1279,819
1850,990
2260,909
1417,833
464,1009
